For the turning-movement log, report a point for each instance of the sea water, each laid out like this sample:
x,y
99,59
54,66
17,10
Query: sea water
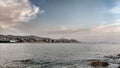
x,y
55,55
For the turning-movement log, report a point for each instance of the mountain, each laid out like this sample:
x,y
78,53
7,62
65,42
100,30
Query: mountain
x,y
33,39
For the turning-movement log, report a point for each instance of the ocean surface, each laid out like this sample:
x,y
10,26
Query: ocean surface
x,y
73,55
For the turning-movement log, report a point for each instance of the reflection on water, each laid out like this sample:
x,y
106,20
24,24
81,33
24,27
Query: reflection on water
x,y
54,55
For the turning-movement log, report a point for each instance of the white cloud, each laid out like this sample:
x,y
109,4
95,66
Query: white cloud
x,y
63,28
116,8
111,27
65,31
13,12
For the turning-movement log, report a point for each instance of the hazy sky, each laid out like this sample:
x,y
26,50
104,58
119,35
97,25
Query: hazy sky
x,y
86,20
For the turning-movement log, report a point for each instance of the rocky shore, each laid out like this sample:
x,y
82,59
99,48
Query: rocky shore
x,y
33,39
107,62
111,59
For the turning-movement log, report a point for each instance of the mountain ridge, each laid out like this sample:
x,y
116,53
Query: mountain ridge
x,y
33,39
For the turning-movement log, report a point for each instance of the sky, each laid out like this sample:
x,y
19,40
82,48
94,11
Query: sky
x,y
84,20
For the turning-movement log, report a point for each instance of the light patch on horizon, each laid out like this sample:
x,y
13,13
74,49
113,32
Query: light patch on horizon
x,y
110,27
63,28
66,31
13,12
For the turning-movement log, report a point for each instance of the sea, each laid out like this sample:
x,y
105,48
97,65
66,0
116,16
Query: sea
x,y
56,55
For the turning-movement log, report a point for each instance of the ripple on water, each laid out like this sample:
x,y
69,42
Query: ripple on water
x,y
35,63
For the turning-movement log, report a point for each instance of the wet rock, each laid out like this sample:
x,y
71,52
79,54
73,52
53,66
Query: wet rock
x,y
113,57
118,55
110,57
90,60
118,66
98,63
27,61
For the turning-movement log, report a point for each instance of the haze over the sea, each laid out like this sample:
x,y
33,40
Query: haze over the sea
x,y
85,20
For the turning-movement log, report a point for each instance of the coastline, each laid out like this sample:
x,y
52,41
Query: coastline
x,y
33,39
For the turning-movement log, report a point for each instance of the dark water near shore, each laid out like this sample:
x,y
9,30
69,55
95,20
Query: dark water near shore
x,y
55,55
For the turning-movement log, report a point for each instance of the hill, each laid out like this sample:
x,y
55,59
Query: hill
x,y
33,39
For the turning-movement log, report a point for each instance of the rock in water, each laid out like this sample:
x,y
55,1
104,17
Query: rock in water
x,y
99,63
27,61
118,66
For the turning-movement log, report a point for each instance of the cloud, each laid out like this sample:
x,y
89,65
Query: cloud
x,y
116,8
13,12
63,28
110,27
66,31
